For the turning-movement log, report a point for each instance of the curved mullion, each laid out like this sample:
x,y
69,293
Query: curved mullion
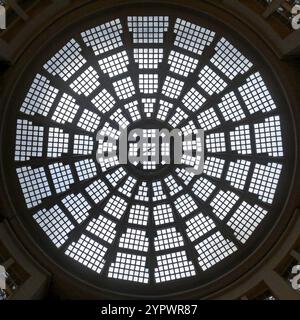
x,y
223,228
189,247
96,210
120,228
214,100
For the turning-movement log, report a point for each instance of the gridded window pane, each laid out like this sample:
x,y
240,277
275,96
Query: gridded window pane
x,y
102,228
120,119
191,161
223,202
134,239
77,205
148,106
97,190
104,101
173,266
203,188
58,142
268,137
198,226
172,185
185,175
148,83
88,253
210,82
240,140
168,239
237,173
29,140
172,87
108,131
192,37
213,250
164,108
178,117
66,61
105,37
185,205
158,192
61,176
115,177
116,207
193,100
148,29
55,224
66,110
182,64
107,163
188,129
86,83
89,121
83,144
245,220
86,169
214,167
208,119
142,194
215,142
163,214
229,60
128,186
148,58
256,95
231,108
264,181
124,88
132,108
139,215
34,185
115,64
129,267
40,97
107,145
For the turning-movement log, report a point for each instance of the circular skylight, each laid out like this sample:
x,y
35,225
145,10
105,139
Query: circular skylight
x,y
149,227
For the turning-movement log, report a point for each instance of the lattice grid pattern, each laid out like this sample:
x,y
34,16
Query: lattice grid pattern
x,y
66,61
214,249
105,37
173,266
55,224
150,218
152,31
86,83
66,110
88,253
62,176
129,267
265,180
40,97
192,37
77,205
115,64
245,220
229,59
34,185
29,140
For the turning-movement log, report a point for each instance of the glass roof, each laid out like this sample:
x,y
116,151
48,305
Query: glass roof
x,y
113,221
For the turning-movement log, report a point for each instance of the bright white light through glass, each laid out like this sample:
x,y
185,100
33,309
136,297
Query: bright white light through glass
x,y
113,219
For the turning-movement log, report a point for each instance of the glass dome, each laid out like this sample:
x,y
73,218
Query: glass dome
x,y
149,229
